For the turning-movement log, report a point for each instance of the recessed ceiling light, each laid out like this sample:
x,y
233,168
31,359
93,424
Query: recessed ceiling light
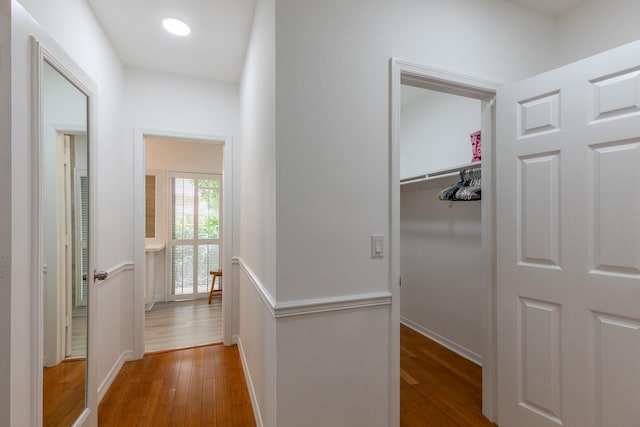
x,y
176,26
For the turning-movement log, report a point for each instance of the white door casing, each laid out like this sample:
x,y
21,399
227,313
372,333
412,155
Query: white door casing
x,y
63,240
568,244
403,72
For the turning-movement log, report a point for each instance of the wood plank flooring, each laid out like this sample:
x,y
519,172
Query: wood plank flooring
x,y
437,386
183,324
63,388
203,386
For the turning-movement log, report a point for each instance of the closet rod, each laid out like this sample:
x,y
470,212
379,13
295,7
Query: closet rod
x,y
413,178
454,169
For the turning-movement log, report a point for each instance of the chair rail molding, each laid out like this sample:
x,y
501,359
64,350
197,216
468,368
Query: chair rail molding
x,y
116,270
313,305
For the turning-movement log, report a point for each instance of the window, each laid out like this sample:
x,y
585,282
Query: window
x,y
194,241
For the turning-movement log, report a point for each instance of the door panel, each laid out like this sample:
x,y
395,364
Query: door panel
x,y
540,385
568,244
616,357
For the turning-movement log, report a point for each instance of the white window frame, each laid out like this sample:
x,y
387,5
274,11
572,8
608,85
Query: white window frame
x,y
170,242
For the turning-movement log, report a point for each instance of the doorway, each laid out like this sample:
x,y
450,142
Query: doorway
x,y
442,83
182,234
183,222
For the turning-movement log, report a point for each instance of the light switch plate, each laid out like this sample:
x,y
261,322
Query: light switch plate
x,y
377,246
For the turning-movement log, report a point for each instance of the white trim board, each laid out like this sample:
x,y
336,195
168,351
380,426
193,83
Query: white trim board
x,y
445,342
125,356
314,305
250,386
114,272
119,268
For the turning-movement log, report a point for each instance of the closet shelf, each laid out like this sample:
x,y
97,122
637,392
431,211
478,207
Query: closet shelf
x,y
440,173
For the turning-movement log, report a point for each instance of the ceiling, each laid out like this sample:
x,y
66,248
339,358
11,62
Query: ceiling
x,y
215,49
551,8
220,30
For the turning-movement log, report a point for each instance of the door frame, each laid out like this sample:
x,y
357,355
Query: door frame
x,y
403,72
45,49
226,233
66,252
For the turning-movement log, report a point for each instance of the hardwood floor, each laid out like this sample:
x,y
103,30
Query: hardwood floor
x,y
205,386
437,386
202,386
63,393
183,324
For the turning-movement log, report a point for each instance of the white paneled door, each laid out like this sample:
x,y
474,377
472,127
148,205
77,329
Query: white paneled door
x,y
568,245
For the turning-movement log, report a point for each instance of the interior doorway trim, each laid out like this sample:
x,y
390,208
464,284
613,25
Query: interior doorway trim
x,y
403,72
44,49
139,232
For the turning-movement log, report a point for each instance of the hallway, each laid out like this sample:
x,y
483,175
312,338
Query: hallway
x,y
202,386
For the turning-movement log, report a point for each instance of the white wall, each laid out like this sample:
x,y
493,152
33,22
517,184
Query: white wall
x,y
332,141
435,130
595,26
5,209
64,20
326,130
332,370
257,342
441,266
440,245
257,221
169,102
258,170
165,102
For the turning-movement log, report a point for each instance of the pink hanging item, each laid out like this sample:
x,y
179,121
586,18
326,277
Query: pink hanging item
x,y
476,147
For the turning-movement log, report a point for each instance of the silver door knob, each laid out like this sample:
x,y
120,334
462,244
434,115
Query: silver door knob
x,y
100,275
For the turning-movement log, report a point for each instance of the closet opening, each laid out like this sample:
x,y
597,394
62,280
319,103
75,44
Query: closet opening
x,y
442,239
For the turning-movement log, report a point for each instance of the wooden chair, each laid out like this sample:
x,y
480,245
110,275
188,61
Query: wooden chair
x,y
215,292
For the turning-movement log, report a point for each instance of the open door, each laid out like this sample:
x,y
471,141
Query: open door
x,y
568,244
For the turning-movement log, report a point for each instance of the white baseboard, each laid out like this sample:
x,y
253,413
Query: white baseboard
x,y
156,299
113,373
247,376
456,348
